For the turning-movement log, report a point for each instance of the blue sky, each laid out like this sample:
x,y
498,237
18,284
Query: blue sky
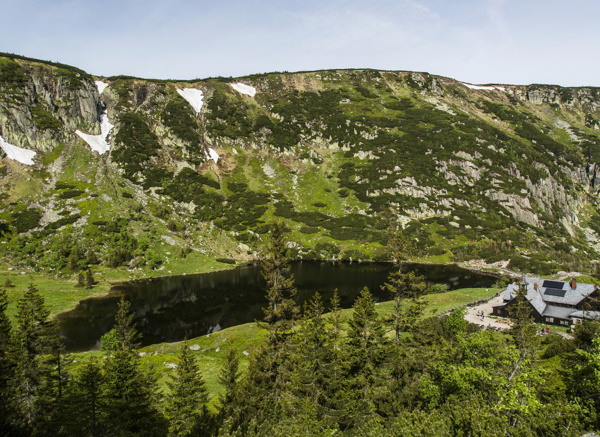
x,y
477,41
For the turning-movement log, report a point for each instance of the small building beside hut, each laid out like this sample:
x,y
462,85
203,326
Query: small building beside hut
x,y
554,302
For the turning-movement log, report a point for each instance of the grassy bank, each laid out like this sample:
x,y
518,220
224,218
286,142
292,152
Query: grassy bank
x,y
212,353
61,293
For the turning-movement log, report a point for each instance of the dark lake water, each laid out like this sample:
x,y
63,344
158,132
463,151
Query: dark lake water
x,y
176,307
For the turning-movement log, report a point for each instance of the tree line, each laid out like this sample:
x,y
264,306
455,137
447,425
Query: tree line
x,y
319,374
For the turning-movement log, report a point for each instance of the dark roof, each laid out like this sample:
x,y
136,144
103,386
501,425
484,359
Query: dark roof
x,y
548,297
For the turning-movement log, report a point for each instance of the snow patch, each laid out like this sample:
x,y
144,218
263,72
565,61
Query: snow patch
x,y
212,155
194,97
101,86
98,143
242,88
485,88
15,153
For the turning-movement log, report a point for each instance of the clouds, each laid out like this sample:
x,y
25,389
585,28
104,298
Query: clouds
x,y
480,41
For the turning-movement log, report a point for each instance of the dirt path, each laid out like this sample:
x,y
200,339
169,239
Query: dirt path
x,y
474,315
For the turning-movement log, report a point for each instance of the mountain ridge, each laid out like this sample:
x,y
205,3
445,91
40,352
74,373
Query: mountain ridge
x,y
470,172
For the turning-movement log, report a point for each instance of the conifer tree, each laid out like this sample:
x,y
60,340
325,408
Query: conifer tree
x,y
281,310
88,394
523,329
366,350
128,394
403,285
267,376
315,382
31,371
127,336
335,313
7,366
229,379
186,404
89,279
80,280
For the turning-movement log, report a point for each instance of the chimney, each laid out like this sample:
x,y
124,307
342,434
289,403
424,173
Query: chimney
x,y
535,286
573,283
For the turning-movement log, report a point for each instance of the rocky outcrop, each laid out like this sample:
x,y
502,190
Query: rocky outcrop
x,y
47,109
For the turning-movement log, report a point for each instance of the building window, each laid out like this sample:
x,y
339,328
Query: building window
x,y
549,319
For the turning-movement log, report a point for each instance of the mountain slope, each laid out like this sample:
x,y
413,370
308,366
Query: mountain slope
x,y
471,172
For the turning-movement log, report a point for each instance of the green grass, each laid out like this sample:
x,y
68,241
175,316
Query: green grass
x,y
443,302
60,294
248,336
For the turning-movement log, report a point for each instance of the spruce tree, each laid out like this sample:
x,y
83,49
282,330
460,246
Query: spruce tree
x,y
315,384
335,314
403,285
32,342
523,329
229,379
281,310
128,396
89,279
267,374
7,367
366,349
80,280
127,336
88,386
186,403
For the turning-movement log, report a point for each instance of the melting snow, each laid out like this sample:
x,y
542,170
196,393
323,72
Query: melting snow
x,y
101,86
213,155
244,89
15,153
479,87
98,143
194,98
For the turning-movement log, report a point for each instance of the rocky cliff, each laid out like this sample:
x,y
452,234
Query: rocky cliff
x,y
201,167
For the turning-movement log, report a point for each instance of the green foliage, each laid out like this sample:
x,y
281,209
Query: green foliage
x,y
33,341
229,117
128,391
11,73
225,260
187,398
6,365
229,379
69,194
44,119
136,144
26,220
281,310
109,341
178,117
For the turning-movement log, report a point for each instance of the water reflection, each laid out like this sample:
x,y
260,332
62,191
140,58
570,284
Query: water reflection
x,y
173,308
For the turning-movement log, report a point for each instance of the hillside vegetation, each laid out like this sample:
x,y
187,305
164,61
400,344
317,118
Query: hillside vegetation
x,y
494,173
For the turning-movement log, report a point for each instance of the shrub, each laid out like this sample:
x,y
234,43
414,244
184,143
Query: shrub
x,y
26,220
136,144
44,119
225,260
178,117
69,194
